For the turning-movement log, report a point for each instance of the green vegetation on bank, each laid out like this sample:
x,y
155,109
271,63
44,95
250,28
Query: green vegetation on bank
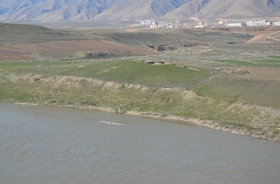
x,y
141,73
255,63
236,62
123,71
246,90
125,85
268,61
275,57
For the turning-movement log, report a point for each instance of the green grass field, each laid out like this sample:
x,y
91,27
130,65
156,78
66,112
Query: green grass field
x,y
236,62
267,61
275,57
225,88
236,89
123,71
71,84
255,63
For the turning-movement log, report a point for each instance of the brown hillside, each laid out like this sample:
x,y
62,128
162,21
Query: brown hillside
x,y
76,45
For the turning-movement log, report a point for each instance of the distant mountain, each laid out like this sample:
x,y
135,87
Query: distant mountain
x,y
145,9
61,10
229,9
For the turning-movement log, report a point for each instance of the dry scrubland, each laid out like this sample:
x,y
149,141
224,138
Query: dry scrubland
x,y
227,79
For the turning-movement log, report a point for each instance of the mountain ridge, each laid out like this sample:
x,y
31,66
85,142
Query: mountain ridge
x,y
62,10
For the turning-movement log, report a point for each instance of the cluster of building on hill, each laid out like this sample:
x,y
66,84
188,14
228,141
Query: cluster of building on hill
x,y
155,24
239,24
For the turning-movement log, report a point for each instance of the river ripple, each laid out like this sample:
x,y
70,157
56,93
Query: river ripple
x,y
56,145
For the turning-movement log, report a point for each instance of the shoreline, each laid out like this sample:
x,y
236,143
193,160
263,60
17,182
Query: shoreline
x,y
184,120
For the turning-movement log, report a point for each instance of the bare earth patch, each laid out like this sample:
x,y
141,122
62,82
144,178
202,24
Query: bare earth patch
x,y
75,46
264,73
6,55
257,38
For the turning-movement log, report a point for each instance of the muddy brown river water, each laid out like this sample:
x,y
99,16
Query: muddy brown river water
x,y
58,145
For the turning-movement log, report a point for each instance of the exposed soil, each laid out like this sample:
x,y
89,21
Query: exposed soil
x,y
257,38
261,73
12,52
6,55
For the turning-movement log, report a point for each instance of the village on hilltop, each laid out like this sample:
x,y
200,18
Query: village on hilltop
x,y
154,24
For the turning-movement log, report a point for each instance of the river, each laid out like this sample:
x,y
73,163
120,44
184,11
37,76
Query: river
x,y
59,145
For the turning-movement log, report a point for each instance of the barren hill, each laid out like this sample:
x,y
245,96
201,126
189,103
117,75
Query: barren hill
x,y
61,10
230,9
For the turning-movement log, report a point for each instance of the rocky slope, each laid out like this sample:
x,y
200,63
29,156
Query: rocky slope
x,y
61,10
231,9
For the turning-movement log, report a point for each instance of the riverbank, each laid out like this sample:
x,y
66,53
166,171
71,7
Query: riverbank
x,y
237,102
177,119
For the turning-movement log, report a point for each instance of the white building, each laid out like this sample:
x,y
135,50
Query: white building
x,y
148,22
276,23
162,26
258,23
171,26
221,22
200,26
154,26
233,25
